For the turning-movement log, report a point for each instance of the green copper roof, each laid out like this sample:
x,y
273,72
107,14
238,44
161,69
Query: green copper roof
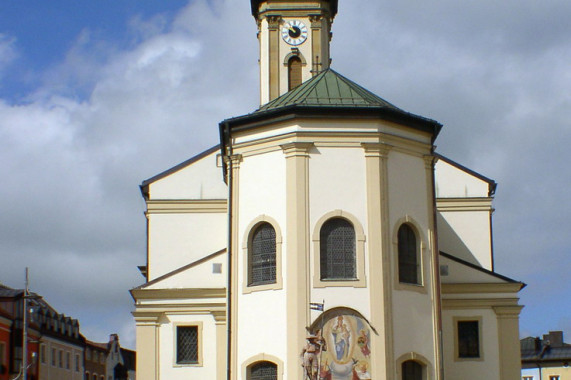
x,y
328,89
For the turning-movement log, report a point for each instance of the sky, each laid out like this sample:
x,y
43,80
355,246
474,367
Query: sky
x,y
97,96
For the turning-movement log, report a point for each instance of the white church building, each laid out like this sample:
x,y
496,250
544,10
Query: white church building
x,y
323,238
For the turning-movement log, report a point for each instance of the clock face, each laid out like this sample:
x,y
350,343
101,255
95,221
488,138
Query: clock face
x,y
294,32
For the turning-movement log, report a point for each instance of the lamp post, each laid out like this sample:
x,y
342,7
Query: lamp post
x,y
25,366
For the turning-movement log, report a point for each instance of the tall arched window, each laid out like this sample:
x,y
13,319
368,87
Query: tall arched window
x,y
263,371
294,72
411,370
408,256
337,250
262,255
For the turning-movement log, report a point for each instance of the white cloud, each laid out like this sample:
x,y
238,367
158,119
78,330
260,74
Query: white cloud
x,y
8,52
108,117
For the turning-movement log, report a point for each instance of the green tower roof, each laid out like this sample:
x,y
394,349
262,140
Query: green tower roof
x,y
327,95
328,89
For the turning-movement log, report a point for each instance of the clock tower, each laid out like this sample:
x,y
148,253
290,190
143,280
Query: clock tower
x,y
294,38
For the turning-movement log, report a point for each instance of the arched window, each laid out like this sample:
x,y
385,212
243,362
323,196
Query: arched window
x,y
411,370
337,250
294,72
408,256
263,371
262,255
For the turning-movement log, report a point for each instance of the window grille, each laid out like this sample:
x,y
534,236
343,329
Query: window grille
x,y
407,255
187,345
337,250
263,255
264,371
468,339
411,370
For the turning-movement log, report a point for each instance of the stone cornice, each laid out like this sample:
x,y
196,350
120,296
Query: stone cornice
x,y
186,206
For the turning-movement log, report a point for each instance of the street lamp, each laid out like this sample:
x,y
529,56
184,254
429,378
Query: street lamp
x,y
25,366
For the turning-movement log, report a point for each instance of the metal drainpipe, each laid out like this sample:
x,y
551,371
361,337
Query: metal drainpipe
x,y
438,300
228,156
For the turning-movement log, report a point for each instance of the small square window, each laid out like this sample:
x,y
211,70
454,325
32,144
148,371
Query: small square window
x,y
468,339
187,345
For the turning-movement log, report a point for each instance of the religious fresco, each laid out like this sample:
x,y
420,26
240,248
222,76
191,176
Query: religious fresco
x,y
339,349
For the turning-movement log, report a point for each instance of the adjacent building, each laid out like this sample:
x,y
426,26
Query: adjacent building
x,y
56,348
546,358
323,223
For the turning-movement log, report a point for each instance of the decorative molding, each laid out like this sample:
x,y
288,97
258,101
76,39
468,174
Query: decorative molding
x,y
380,150
274,21
297,149
477,303
201,206
464,204
467,288
182,293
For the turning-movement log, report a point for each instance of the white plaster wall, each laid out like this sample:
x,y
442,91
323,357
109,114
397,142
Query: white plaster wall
x,y
413,319
467,235
337,181
452,182
200,180
200,276
176,240
459,274
471,369
167,335
262,316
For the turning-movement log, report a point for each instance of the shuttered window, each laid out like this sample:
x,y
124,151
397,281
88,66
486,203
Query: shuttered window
x,y
294,73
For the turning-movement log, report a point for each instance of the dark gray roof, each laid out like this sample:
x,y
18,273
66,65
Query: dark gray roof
x,y
537,350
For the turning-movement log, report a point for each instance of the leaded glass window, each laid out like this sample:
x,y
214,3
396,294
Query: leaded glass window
x,y
468,339
337,250
408,256
264,371
411,370
187,345
263,255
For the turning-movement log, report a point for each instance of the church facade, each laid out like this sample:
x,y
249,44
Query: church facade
x,y
323,238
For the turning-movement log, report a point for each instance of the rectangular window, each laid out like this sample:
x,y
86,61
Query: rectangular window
x,y
187,345
53,357
60,361
67,360
554,377
76,363
43,359
468,339
527,378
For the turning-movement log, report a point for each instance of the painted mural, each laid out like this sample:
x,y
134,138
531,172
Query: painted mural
x,y
339,349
